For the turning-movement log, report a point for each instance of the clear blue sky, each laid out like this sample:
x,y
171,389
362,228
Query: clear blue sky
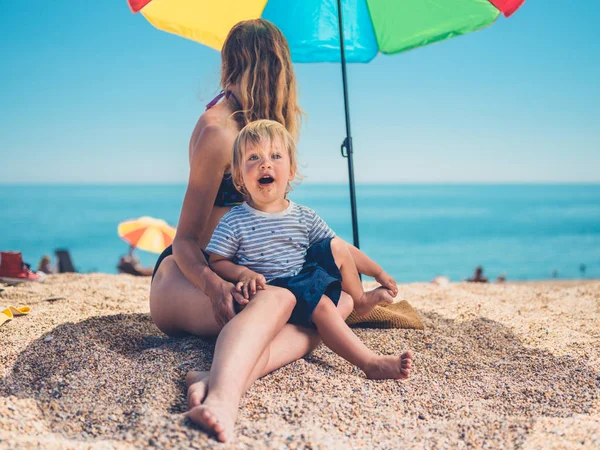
x,y
92,93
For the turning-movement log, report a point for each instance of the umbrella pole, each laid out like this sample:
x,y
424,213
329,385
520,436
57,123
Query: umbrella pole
x,y
346,148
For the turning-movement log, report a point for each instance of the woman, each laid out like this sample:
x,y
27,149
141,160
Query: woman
x,y
186,295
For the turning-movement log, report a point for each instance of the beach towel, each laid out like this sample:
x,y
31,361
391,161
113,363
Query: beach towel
x,y
396,315
10,311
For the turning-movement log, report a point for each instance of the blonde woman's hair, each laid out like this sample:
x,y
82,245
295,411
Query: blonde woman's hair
x,y
262,133
256,57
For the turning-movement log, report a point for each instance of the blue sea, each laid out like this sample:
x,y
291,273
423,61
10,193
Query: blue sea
x,y
415,232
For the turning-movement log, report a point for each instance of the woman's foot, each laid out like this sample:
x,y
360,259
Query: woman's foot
x,y
215,418
390,367
197,384
370,299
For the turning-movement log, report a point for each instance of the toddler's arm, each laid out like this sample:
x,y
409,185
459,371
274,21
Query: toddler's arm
x,y
246,281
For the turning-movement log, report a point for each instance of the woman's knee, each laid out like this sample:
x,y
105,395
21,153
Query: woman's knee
x,y
280,298
162,281
177,306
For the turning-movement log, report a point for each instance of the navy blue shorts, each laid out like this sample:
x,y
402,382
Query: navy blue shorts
x,y
319,276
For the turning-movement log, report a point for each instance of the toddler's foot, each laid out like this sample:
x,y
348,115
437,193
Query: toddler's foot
x,y
390,367
215,418
197,384
371,299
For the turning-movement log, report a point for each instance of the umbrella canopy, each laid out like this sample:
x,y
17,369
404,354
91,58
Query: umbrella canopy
x,y
316,32
311,26
147,233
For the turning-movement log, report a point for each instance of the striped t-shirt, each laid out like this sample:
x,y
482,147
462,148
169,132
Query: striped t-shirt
x,y
272,244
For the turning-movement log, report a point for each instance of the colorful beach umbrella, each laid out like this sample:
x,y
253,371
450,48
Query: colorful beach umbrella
x,y
331,30
147,233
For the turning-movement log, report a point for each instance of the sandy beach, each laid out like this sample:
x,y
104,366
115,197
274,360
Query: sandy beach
x,y
497,366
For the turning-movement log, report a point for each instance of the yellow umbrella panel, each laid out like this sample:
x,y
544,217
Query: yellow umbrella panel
x,y
205,21
147,233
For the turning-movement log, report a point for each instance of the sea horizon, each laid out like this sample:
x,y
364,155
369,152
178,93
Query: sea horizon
x,y
415,231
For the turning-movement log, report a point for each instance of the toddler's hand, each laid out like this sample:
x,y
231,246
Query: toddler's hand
x,y
249,282
387,282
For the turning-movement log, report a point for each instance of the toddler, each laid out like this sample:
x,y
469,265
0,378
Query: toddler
x,y
269,240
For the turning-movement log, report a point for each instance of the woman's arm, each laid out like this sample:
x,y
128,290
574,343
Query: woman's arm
x,y
208,161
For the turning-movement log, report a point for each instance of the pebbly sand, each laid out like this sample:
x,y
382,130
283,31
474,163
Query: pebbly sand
x,y
498,366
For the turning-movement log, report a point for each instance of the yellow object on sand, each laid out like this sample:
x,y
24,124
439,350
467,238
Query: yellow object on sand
x,y
396,315
9,312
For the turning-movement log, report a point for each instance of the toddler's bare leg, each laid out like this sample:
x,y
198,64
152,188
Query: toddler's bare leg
x,y
364,302
344,261
339,337
345,305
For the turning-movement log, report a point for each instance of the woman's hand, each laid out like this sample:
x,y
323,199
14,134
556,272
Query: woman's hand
x,y
248,283
387,282
222,294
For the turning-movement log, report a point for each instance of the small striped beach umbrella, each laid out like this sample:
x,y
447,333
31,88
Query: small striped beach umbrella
x,y
331,30
147,233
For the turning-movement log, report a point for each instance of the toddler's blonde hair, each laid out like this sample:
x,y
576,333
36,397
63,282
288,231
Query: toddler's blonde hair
x,y
262,132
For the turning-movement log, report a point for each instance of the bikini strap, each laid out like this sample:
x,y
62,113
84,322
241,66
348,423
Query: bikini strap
x,y
215,100
222,94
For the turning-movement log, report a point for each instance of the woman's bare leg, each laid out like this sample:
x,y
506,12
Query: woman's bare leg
x,y
291,344
177,306
238,348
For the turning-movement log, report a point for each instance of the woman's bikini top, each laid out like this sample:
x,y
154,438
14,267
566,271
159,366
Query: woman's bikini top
x,y
228,195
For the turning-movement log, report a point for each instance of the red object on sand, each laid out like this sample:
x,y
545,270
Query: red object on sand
x,y
12,269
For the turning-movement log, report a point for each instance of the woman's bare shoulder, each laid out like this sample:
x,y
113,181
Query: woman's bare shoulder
x,y
212,133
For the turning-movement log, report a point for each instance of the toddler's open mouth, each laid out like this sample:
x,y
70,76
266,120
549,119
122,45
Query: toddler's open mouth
x,y
266,180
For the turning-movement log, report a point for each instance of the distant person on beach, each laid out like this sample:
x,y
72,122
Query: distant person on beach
x,y
582,270
186,296
271,241
45,265
131,265
478,276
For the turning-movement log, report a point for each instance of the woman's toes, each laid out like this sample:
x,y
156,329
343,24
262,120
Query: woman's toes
x,y
207,417
197,383
221,436
193,400
193,376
